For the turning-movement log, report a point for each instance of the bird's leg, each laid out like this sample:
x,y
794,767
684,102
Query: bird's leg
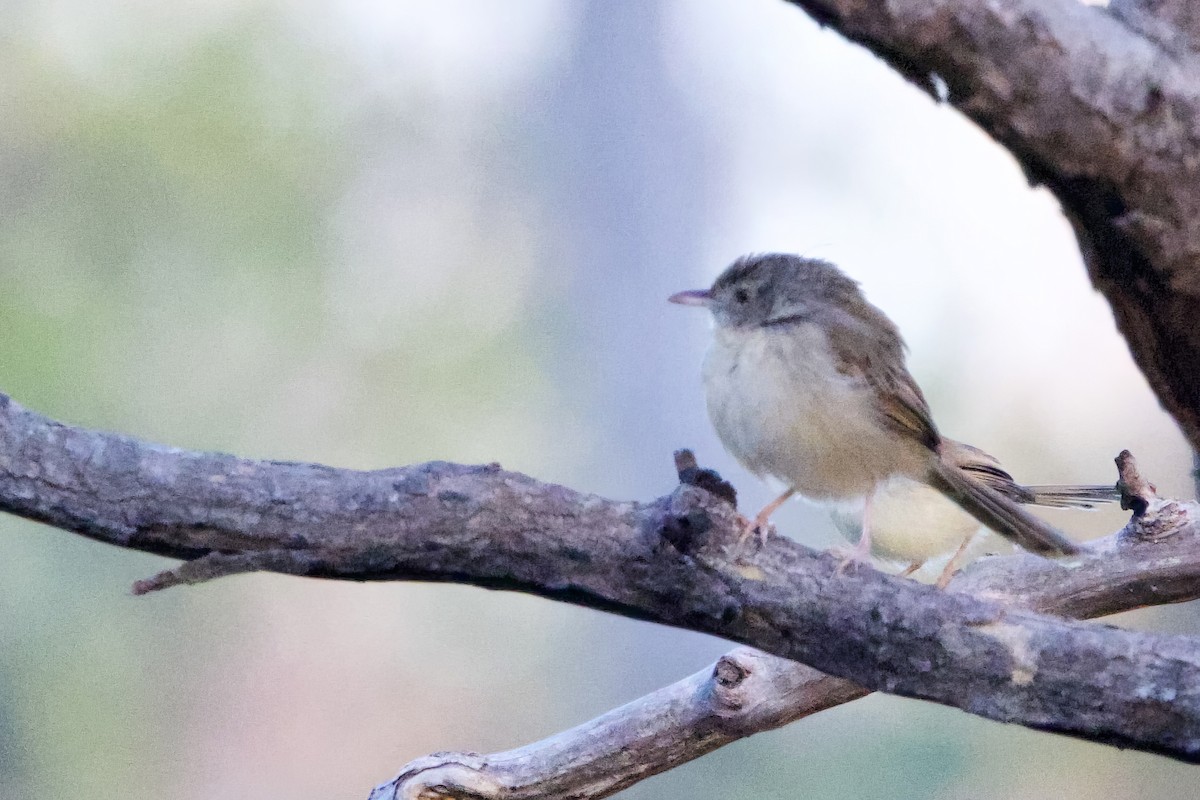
x,y
952,565
910,569
861,552
761,524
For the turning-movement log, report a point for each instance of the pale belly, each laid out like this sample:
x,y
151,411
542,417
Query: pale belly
x,y
909,522
783,410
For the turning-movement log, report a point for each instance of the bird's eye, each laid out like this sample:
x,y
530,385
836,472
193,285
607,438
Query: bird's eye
x,y
741,296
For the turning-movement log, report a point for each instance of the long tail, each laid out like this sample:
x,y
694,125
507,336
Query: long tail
x,y
998,512
1071,496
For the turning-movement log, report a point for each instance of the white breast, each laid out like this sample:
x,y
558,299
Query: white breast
x,y
782,408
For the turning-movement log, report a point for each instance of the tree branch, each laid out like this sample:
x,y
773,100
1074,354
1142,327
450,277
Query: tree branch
x,y
1174,24
1101,106
488,527
1104,109
747,692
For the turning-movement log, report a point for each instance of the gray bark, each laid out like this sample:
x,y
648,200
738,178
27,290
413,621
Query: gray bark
x,y
747,691
672,561
743,693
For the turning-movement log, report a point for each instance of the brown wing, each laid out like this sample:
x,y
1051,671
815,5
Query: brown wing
x,y
867,345
983,468
998,512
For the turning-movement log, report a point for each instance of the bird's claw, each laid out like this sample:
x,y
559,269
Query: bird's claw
x,y
848,557
760,529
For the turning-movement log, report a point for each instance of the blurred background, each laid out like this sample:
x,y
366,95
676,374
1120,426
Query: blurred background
x,y
373,232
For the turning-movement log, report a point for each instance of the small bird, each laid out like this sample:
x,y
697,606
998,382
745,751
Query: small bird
x,y
913,524
806,383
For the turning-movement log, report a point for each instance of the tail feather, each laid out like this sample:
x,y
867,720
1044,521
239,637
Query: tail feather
x,y
1072,496
998,512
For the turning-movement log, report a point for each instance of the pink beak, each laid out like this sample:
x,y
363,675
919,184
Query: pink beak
x,y
692,297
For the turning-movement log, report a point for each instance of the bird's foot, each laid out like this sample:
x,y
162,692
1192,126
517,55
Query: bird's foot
x,y
851,557
952,566
758,528
947,574
761,525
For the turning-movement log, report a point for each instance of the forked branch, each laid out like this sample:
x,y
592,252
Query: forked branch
x,y
747,691
670,561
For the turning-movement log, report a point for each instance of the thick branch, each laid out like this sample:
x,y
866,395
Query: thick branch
x,y
1174,24
1104,112
665,561
746,691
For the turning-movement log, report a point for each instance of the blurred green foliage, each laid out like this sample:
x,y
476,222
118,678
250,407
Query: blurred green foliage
x,y
167,225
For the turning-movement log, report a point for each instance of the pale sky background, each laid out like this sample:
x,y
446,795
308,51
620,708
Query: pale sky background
x,y
373,233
